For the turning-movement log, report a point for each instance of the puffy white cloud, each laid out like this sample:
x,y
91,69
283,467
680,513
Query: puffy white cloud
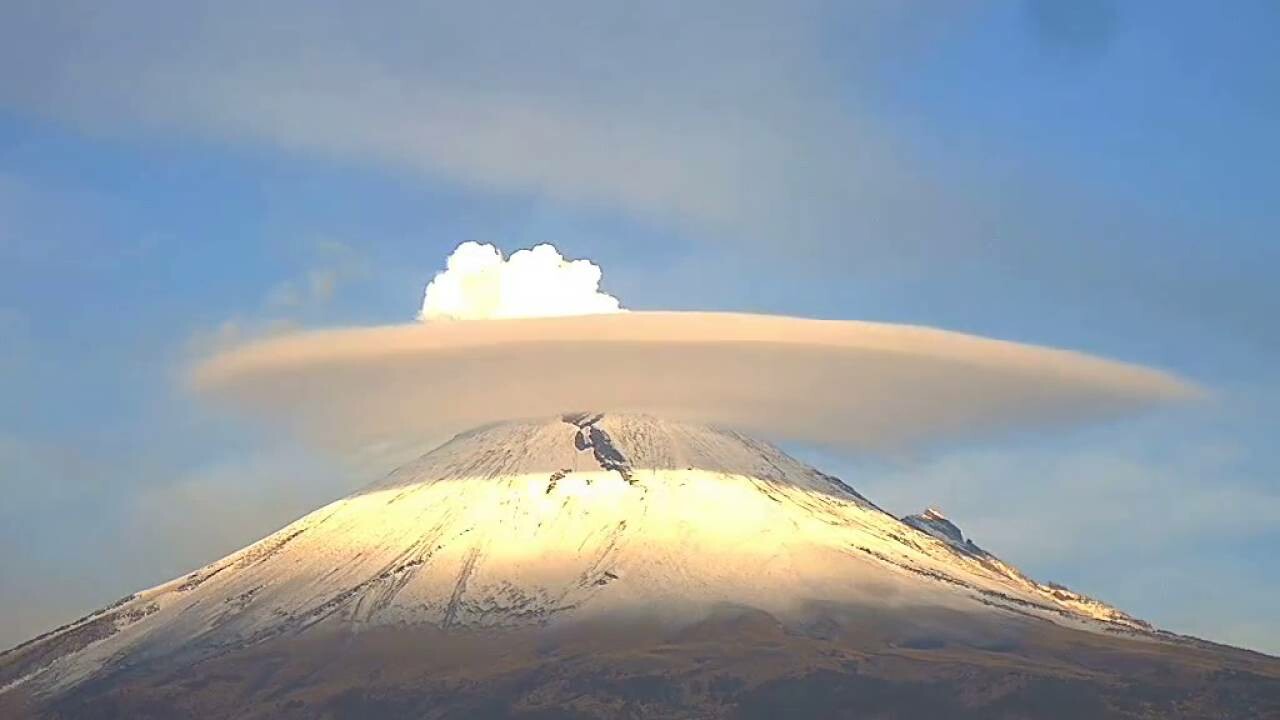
x,y
479,283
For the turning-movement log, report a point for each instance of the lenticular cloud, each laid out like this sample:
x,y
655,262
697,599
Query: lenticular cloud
x,y
479,283
854,385
532,335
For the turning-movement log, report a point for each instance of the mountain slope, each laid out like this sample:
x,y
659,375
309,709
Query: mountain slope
x,y
934,523
605,534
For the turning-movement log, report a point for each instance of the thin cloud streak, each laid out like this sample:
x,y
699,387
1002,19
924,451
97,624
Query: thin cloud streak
x,y
763,131
666,112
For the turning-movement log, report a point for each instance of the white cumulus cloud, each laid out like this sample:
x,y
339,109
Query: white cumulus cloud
x,y
479,283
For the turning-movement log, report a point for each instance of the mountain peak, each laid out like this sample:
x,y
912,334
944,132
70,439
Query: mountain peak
x,y
547,523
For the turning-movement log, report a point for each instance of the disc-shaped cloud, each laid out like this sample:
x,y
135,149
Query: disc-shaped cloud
x,y
854,384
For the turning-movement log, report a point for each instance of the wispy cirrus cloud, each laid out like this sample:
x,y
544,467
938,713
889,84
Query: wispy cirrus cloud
x,y
668,111
763,131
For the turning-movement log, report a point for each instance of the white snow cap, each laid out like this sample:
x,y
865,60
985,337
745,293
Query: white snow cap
x,y
479,283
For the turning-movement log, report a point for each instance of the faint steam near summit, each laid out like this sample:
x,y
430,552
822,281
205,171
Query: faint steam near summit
x,y
479,283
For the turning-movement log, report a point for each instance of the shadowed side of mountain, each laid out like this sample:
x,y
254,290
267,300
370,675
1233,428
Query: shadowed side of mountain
x,y
737,663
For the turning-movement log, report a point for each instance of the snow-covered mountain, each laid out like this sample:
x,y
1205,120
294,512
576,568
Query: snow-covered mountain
x,y
581,521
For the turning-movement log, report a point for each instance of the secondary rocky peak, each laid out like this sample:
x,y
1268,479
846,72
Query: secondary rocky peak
x,y
933,522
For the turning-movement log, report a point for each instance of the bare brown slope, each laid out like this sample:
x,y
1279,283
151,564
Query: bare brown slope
x,y
737,663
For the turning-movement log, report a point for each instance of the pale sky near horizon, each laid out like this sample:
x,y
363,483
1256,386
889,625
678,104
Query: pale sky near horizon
x,y
1094,175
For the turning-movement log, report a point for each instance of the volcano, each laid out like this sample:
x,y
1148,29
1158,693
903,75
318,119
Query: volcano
x,y
607,566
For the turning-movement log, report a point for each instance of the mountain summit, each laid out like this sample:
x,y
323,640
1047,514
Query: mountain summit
x,y
604,565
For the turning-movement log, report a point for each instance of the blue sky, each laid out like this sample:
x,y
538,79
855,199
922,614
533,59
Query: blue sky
x,y
1092,175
